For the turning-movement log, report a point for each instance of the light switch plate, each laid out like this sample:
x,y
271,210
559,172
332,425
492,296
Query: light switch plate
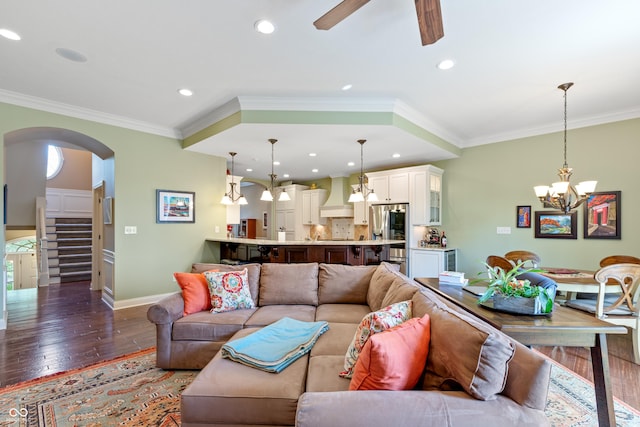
x,y
503,230
130,229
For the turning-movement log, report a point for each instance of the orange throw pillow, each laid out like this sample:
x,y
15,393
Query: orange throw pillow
x,y
394,359
195,292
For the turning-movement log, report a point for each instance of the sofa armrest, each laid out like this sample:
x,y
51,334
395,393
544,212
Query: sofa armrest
x,y
167,310
411,408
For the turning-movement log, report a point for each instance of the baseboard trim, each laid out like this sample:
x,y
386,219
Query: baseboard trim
x,y
135,302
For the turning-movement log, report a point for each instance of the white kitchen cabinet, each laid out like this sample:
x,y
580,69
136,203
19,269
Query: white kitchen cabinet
x,y
431,262
425,195
390,186
289,213
286,221
360,211
312,200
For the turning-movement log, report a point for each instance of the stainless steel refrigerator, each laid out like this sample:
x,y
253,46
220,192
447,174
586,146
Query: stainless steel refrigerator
x,y
390,222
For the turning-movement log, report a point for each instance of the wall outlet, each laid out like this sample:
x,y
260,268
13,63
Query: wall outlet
x,y
217,229
503,230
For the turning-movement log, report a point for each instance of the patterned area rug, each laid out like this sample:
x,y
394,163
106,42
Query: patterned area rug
x,y
131,391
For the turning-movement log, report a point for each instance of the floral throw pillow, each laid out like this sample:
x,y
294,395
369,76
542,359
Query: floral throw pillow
x,y
229,290
372,323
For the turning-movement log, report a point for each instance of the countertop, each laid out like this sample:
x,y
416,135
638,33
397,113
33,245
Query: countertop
x,y
432,248
267,242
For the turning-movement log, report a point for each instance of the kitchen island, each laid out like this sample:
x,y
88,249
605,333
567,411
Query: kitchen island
x,y
352,252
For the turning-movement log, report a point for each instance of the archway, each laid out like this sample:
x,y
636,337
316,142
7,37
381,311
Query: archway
x,y
102,182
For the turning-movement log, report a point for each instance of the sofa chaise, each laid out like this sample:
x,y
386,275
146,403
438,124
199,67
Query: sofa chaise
x,y
473,374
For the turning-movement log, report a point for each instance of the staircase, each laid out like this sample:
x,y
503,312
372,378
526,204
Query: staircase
x,y
69,249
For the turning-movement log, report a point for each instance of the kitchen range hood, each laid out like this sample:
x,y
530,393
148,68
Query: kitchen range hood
x,y
337,205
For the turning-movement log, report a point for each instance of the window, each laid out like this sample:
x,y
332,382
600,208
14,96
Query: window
x,y
54,161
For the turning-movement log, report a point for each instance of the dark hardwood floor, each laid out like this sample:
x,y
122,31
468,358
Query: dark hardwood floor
x,y
68,326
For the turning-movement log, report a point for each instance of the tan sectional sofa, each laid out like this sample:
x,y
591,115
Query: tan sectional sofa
x,y
474,374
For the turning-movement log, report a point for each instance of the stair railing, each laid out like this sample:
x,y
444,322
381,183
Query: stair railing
x,y
42,241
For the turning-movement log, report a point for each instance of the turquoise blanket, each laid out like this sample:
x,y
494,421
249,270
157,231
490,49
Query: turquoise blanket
x,y
276,346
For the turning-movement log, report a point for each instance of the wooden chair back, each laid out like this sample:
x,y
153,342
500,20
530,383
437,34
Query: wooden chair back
x,y
619,259
530,259
498,261
619,309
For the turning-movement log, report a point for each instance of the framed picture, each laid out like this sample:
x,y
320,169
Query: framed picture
x,y
175,206
265,220
523,216
602,215
107,210
556,225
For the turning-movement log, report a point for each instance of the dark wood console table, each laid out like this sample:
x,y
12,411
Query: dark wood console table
x,y
565,327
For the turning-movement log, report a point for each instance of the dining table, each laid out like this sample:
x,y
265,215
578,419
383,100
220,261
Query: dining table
x,y
572,281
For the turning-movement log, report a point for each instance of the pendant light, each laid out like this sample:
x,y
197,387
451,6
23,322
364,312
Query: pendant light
x,y
233,196
363,191
562,195
267,194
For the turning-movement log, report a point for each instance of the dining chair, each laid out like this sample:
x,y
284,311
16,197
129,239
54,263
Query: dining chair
x,y
620,309
498,261
530,259
619,259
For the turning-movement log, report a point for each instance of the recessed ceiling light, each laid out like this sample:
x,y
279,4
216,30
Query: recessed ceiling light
x,y
314,170
71,55
286,175
8,34
395,155
185,92
264,26
312,154
347,87
446,64
276,163
351,164
249,170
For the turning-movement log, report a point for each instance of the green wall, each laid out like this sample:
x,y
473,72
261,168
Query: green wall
x,y
483,187
144,262
481,191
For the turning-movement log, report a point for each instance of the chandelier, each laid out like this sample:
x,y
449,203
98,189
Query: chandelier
x,y
267,194
362,192
562,195
233,196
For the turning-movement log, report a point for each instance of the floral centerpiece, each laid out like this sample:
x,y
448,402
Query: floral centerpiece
x,y
514,295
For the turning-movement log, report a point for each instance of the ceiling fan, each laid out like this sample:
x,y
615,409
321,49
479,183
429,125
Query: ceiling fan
x,y
429,18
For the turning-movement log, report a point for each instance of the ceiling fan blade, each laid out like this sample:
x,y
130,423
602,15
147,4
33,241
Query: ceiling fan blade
x,y
429,21
338,13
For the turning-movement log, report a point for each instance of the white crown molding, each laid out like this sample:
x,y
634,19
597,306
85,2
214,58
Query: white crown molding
x,y
419,119
316,104
557,127
222,112
85,114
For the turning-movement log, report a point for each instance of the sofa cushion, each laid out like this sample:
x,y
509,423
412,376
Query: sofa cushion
x,y
373,323
229,290
401,289
476,359
206,326
381,280
393,359
289,284
195,292
217,396
335,342
268,314
342,313
344,284
253,271
322,374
